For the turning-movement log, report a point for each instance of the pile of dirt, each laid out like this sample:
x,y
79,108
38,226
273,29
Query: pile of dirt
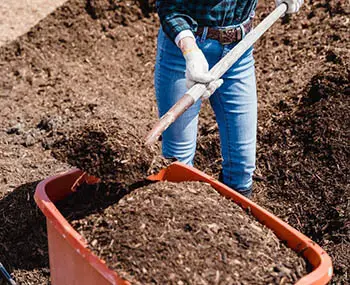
x,y
68,70
23,246
120,12
182,233
304,156
113,151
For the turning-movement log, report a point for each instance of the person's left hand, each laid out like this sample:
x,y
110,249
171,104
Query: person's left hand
x,y
293,5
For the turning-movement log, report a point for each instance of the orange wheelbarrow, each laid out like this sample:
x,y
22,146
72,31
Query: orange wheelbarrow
x,y
71,262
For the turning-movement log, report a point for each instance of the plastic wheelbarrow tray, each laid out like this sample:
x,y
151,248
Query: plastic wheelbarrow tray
x,y
72,263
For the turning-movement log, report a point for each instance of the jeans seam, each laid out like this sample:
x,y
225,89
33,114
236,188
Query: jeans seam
x,y
227,132
160,56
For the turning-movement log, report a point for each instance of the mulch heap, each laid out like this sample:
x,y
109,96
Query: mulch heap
x,y
112,150
179,233
304,155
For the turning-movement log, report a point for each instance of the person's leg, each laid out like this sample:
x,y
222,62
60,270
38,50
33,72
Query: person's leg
x,y
235,107
179,140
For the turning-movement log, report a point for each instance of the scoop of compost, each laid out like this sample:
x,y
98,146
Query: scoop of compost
x,y
113,151
182,233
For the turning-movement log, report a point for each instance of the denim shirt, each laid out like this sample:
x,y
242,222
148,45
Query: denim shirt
x,y
179,15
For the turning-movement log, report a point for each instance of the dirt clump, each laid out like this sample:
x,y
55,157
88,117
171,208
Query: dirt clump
x,y
334,81
119,12
113,151
182,233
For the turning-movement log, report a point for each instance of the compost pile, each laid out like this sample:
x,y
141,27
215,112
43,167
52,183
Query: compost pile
x,y
181,233
112,151
305,157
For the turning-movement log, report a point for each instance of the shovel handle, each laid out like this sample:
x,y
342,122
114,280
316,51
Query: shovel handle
x,y
218,70
6,275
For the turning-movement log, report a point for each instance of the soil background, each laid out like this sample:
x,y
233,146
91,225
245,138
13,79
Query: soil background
x,y
93,61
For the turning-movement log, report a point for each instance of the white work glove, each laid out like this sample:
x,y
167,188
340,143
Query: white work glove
x,y
197,71
293,5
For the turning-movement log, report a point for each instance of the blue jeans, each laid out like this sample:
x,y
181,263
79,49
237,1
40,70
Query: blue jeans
x,y
234,104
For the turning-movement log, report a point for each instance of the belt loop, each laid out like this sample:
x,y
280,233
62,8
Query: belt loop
x,y
243,30
204,34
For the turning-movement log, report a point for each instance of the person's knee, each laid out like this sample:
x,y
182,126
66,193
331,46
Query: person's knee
x,y
181,151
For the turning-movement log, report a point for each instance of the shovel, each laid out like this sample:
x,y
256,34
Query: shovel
x,y
218,70
6,276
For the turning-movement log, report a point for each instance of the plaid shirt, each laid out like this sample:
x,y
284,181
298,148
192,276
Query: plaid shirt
x,y
179,15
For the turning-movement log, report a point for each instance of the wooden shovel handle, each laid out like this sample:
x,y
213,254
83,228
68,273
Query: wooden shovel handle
x,y
164,122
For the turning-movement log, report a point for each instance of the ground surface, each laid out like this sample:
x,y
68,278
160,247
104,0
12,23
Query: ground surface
x,y
86,62
168,233
18,16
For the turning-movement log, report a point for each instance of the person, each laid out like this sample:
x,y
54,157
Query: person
x,y
193,37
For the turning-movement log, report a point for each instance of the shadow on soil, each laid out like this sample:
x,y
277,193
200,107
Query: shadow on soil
x,y
23,237
22,230
90,199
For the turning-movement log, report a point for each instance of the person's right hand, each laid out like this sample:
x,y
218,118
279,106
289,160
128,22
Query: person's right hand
x,y
197,68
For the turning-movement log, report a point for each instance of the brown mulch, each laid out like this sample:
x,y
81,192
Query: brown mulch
x,y
180,233
305,157
113,151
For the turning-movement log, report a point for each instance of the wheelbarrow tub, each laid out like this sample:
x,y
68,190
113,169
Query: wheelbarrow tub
x,y
71,262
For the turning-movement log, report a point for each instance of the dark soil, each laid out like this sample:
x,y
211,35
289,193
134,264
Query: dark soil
x,y
113,151
23,246
120,12
180,233
305,157
90,61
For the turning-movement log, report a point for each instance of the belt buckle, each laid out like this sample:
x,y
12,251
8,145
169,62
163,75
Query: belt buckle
x,y
222,33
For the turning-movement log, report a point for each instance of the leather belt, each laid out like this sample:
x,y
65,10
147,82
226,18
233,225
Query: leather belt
x,y
227,35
